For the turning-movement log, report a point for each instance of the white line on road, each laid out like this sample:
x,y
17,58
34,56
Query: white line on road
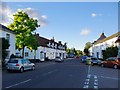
x,y
86,84
107,77
50,72
95,82
88,70
18,83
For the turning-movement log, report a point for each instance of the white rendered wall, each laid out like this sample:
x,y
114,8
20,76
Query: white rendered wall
x,y
11,41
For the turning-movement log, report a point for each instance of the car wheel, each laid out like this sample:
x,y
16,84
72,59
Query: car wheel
x,y
8,70
115,66
92,64
102,65
33,67
21,69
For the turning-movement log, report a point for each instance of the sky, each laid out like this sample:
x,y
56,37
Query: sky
x,y
73,22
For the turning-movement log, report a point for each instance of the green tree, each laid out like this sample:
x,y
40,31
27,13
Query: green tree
x,y
110,52
23,26
79,52
68,51
75,51
86,49
87,45
5,45
34,46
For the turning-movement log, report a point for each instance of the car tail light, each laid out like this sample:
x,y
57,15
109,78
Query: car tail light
x,y
17,65
117,60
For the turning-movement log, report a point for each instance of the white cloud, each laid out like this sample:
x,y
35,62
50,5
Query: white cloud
x,y
85,32
95,14
7,15
44,16
34,14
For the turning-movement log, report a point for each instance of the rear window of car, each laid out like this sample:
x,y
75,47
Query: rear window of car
x,y
94,58
13,61
57,57
112,59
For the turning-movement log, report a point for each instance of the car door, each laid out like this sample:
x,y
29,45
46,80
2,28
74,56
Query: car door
x,y
109,62
24,64
29,64
113,61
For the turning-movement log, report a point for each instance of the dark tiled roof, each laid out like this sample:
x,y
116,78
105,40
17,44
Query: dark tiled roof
x,y
44,41
102,36
108,38
118,40
6,29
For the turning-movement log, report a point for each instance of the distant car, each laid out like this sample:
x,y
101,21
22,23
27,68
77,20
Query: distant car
x,y
84,58
77,57
111,62
19,65
95,61
58,59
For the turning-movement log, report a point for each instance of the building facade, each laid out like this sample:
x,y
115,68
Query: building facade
x,y
47,49
102,43
10,36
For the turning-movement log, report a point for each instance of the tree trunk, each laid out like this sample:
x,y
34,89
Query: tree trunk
x,y
23,51
34,54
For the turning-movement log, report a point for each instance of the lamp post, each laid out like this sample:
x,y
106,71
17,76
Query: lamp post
x,y
118,41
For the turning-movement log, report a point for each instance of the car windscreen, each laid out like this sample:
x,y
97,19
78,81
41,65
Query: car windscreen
x,y
13,61
57,57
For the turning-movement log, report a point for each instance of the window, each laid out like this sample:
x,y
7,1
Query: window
x,y
8,37
8,54
26,54
13,61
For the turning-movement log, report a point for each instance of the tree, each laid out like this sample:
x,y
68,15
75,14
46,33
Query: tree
x,y
33,44
75,51
68,51
23,26
110,52
5,45
79,52
87,45
86,49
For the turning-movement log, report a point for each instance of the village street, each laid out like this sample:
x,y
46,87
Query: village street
x,y
68,74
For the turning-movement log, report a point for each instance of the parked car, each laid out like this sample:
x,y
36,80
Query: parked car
x,y
95,61
111,62
19,64
84,58
58,59
77,57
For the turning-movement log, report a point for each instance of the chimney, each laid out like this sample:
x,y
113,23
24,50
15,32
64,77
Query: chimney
x,y
37,34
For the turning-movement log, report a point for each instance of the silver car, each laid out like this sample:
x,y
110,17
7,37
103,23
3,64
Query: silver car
x,y
58,59
19,64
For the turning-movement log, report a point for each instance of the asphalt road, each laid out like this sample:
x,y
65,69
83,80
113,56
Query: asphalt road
x,y
68,74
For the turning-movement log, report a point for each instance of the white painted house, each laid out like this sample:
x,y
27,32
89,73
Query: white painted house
x,y
10,36
102,43
47,48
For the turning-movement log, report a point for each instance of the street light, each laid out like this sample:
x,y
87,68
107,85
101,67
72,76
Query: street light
x,y
118,41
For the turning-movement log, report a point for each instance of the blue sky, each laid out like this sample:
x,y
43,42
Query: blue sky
x,y
75,23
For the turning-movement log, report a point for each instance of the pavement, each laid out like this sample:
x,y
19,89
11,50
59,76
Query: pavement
x,y
69,74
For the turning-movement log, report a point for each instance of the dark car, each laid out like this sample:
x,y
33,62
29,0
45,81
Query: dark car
x,y
95,61
84,58
111,62
58,59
